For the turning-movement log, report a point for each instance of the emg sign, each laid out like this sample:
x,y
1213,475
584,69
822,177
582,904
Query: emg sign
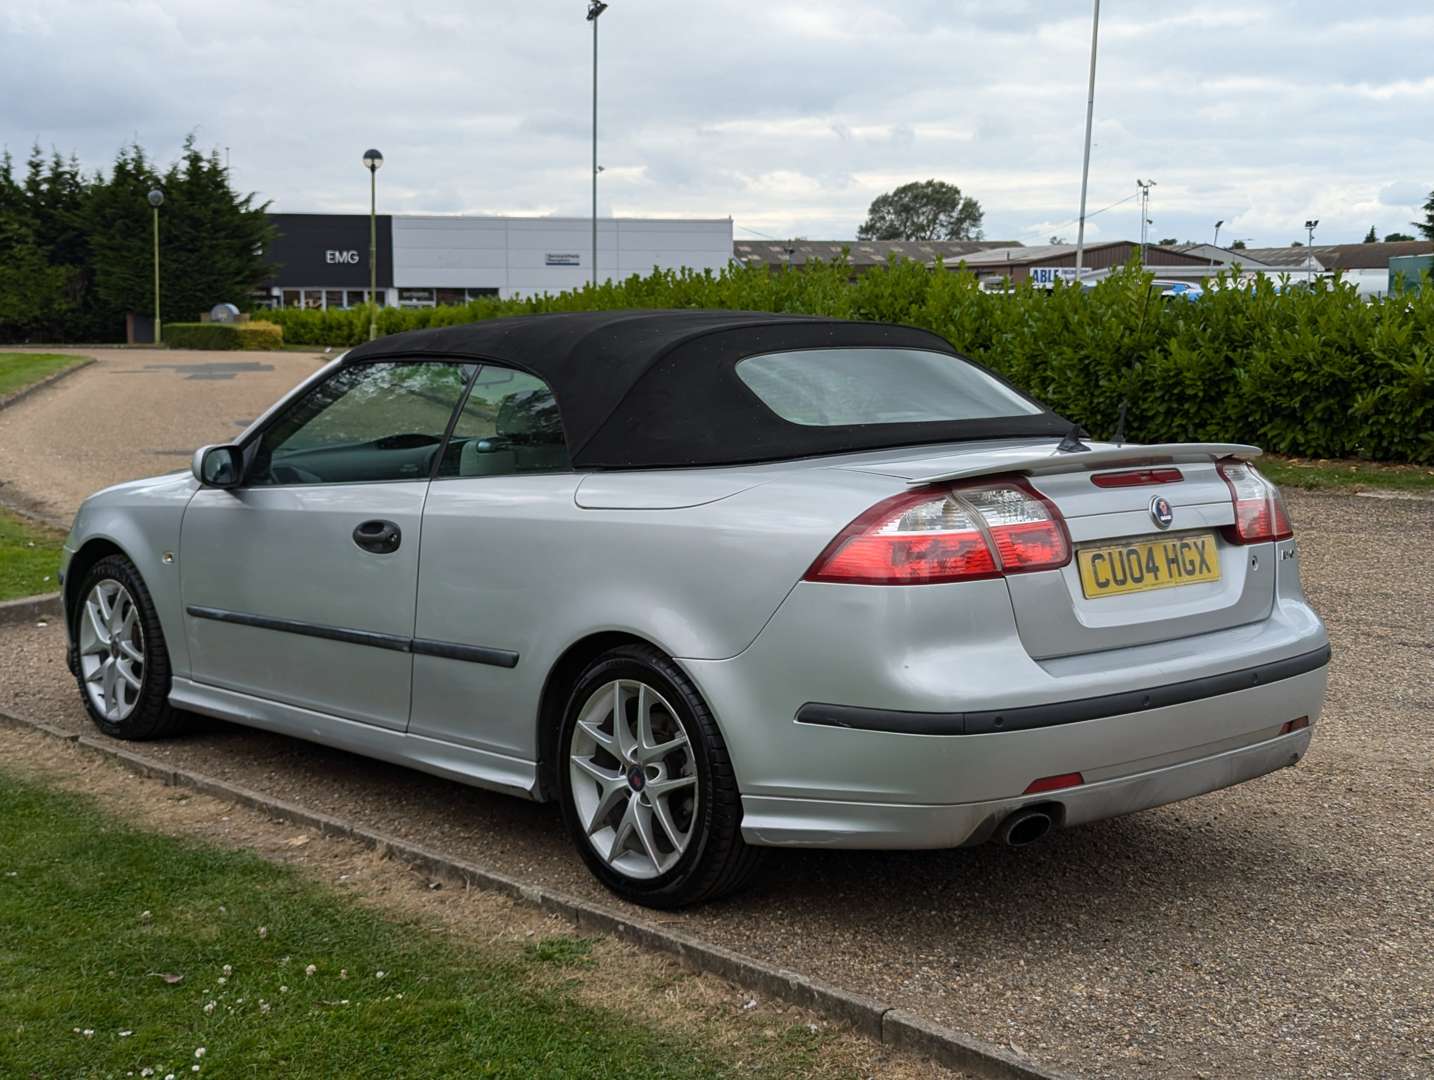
x,y
328,251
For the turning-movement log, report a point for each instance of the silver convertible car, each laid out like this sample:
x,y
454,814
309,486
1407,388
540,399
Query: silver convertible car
x,y
716,583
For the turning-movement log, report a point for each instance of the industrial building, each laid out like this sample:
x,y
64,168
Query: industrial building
x,y
1366,266
1044,264
322,260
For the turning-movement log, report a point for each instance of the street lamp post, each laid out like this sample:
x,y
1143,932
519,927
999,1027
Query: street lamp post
x,y
1144,186
373,161
1309,252
595,8
156,200
1085,165
1216,241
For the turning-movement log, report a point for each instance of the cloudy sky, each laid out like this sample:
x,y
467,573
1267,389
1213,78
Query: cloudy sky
x,y
788,117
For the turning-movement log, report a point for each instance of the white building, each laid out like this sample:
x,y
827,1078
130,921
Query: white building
x,y
322,260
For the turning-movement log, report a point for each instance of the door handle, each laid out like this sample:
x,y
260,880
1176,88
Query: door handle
x,y
378,536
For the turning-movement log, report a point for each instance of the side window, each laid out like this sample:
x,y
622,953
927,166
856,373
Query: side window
x,y
509,424
366,423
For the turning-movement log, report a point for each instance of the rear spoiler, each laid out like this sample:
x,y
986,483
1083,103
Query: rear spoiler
x,y
1020,459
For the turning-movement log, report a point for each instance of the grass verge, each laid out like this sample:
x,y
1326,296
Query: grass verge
x,y
19,370
29,557
129,952
1317,474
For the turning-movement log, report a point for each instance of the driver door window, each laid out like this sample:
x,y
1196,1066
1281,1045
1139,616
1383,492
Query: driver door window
x,y
367,423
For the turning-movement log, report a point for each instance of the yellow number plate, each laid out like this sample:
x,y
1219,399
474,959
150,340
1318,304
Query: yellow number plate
x,y
1138,565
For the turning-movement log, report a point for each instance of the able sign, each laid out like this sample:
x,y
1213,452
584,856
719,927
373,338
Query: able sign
x,y
1047,276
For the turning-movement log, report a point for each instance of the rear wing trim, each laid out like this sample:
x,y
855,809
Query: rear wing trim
x,y
1053,461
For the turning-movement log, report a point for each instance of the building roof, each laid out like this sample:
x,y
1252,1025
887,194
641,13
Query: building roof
x,y
659,389
1225,256
863,253
1047,253
1340,256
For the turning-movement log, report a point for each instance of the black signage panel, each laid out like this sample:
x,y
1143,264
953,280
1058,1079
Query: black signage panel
x,y
318,250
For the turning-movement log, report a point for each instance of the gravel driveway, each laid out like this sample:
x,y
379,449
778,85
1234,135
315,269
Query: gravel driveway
x,y
132,413
1281,929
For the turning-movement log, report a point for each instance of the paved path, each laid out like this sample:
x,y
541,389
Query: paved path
x,y
1281,929
132,413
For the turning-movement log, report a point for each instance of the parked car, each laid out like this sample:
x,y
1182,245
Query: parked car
x,y
715,583
1177,290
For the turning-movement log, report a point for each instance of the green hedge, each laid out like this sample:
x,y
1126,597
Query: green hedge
x,y
1317,372
211,335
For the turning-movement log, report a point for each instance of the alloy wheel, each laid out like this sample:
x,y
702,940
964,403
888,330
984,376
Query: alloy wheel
x,y
634,778
111,650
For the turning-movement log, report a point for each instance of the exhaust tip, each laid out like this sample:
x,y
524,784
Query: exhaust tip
x,y
1025,827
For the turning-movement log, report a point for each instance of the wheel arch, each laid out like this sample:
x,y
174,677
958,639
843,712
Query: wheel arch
x,y
90,552
558,686
133,541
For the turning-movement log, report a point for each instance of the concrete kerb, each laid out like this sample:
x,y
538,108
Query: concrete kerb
x,y
31,609
48,380
892,1027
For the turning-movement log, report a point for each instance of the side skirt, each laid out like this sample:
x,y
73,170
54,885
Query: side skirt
x,y
480,768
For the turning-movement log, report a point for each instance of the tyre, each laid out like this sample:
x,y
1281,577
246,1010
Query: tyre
x,y
121,660
647,789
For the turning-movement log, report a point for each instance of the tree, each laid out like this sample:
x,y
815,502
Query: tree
x,y
210,238
1169,241
1395,237
1371,237
923,210
78,250
1238,245
1426,227
34,296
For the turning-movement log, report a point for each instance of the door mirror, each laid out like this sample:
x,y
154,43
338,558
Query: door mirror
x,y
218,466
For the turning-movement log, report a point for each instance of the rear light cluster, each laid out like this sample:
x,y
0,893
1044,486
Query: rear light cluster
x,y
935,535
1259,512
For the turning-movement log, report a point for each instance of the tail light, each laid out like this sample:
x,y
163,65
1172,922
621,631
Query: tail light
x,y
1259,511
935,535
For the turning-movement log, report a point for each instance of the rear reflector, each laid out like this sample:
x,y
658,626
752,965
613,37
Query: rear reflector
x,y
1299,723
1259,511
934,534
1136,478
1054,783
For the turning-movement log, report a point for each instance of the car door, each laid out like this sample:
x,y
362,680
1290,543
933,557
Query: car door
x,y
497,523
299,585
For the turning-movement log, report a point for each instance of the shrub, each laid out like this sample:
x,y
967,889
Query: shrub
x,y
1317,372
211,335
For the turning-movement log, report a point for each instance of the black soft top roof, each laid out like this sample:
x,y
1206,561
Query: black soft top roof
x,y
641,389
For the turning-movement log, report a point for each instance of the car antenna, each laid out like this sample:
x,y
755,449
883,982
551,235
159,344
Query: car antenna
x,y
1119,437
1071,444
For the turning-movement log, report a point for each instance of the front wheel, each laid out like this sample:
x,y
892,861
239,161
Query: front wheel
x,y
647,789
122,663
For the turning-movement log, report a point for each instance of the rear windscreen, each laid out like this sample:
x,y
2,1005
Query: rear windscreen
x,y
838,387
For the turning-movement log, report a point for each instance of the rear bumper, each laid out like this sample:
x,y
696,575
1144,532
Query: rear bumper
x,y
1026,717
785,822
